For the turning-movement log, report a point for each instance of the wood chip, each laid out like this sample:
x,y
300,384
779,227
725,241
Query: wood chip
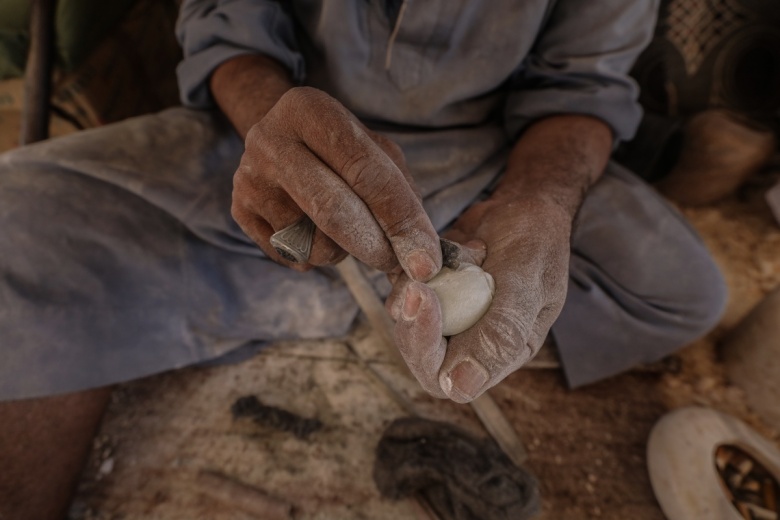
x,y
242,497
759,513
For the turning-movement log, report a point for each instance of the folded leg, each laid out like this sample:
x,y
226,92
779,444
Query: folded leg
x,y
120,259
642,283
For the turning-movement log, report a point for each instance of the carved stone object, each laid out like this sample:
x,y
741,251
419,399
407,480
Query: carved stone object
x,y
464,294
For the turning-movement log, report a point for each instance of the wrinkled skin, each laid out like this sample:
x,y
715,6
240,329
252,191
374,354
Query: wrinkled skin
x,y
521,236
311,155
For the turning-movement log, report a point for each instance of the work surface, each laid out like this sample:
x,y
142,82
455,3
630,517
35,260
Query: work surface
x,y
587,447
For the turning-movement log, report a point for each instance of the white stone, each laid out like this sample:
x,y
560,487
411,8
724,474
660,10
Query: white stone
x,y
464,294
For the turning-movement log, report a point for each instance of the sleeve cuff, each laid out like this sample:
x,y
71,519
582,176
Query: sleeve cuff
x,y
211,34
194,73
611,104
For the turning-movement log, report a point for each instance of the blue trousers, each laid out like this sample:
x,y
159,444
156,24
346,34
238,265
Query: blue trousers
x,y
119,259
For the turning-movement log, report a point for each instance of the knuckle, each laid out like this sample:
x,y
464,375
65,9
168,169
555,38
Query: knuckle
x,y
244,191
265,161
325,207
304,100
259,140
274,156
240,181
237,212
246,221
300,95
244,176
292,98
240,198
255,137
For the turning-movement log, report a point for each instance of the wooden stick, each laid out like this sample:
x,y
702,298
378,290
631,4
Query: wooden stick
x,y
491,416
380,320
37,76
241,496
499,427
372,307
402,402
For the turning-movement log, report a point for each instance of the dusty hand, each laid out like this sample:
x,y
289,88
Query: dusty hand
x,y
310,155
527,253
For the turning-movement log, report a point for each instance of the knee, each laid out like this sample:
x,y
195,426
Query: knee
x,y
697,310
681,292
650,261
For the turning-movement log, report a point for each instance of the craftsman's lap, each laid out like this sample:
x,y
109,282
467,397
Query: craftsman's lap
x,y
124,260
120,259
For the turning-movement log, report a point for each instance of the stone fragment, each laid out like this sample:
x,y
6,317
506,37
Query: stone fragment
x,y
464,294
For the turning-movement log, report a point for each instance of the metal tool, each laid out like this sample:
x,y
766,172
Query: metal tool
x,y
293,243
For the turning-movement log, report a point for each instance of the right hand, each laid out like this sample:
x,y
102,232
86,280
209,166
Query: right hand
x,y
310,155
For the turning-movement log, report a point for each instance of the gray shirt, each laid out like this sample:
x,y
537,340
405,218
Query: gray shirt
x,y
454,82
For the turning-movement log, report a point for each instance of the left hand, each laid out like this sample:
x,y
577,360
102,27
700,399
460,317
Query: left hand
x,y
525,244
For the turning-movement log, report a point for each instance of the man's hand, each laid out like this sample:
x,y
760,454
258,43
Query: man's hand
x,y
310,155
528,259
523,234
306,153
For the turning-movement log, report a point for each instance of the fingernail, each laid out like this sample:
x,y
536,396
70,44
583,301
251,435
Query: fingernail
x,y
464,382
420,264
412,302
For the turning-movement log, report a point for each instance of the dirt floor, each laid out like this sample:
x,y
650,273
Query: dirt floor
x,y
164,437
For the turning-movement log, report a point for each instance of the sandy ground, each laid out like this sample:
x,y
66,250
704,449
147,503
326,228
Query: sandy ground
x,y
587,447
